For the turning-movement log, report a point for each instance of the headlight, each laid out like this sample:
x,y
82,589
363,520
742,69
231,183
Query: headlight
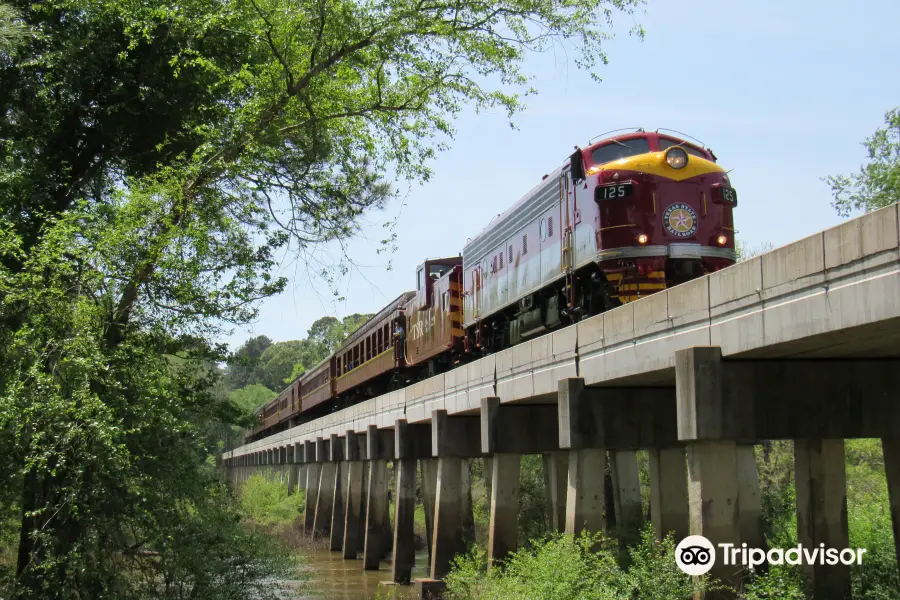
x,y
676,158
642,239
722,240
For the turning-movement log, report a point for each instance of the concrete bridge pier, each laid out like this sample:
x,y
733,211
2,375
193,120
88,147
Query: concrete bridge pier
x,y
626,495
453,441
284,465
668,492
711,452
821,488
752,527
354,452
556,484
411,442
621,420
428,470
325,494
377,539
303,465
507,433
340,493
291,467
312,486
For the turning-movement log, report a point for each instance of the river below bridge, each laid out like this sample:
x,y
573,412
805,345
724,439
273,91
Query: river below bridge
x,y
334,578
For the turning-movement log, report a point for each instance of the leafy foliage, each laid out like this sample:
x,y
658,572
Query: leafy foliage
x,y
565,567
251,397
155,158
780,582
12,32
243,364
266,501
877,184
869,520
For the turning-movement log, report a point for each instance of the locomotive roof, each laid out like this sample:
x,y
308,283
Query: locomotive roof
x,y
478,240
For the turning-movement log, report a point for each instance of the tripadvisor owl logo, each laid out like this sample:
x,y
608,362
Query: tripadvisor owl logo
x,y
695,555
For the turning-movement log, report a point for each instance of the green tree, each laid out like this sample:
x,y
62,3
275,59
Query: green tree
x,y
155,159
251,397
277,362
324,336
877,184
244,363
12,32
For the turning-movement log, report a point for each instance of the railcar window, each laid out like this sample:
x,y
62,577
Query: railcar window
x,y
438,270
665,143
617,150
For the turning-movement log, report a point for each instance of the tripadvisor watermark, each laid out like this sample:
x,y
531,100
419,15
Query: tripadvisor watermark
x,y
696,555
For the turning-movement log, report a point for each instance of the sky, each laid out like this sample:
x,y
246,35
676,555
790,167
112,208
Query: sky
x,y
784,92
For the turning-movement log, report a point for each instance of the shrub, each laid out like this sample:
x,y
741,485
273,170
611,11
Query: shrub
x,y
781,582
869,520
266,502
583,567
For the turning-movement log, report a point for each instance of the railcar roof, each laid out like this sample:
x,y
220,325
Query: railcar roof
x,y
398,302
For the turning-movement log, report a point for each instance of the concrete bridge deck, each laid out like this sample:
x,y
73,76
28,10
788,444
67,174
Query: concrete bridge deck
x,y
798,343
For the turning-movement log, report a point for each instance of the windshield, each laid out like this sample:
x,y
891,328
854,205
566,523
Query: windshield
x,y
616,150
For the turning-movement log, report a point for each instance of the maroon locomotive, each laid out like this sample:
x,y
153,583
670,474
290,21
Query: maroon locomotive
x,y
625,217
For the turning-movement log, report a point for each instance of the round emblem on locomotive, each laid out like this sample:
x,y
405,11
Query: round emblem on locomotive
x,y
680,220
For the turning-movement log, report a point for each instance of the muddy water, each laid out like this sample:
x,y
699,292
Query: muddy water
x,y
334,578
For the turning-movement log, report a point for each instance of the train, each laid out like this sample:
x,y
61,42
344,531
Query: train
x,y
628,215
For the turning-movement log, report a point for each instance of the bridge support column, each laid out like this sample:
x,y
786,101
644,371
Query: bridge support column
x,y
354,506
404,520
711,453
377,539
340,493
410,444
621,420
375,546
584,494
556,474
454,440
448,517
363,502
626,495
668,492
503,534
508,432
312,486
822,511
750,504
325,493
429,493
291,466
891,450
467,512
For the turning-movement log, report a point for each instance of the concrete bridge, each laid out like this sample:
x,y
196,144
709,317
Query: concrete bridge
x,y
800,344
